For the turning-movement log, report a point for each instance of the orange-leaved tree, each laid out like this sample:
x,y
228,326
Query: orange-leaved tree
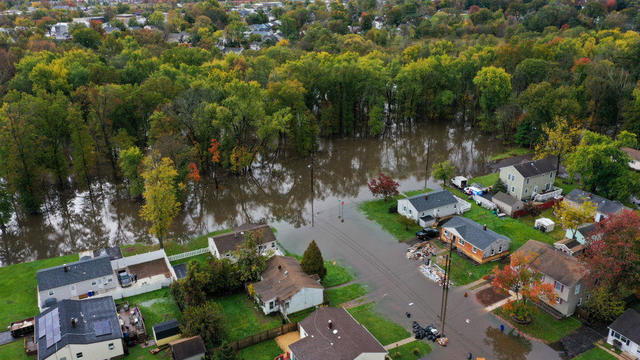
x,y
521,277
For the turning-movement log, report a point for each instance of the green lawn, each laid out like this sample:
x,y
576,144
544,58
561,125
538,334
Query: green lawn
x,y
156,307
300,315
244,318
202,258
172,247
14,351
486,180
343,294
566,186
381,328
464,271
336,274
266,350
595,354
138,353
411,351
18,284
378,211
543,325
510,153
558,231
416,192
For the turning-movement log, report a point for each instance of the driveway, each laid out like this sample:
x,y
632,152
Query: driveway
x,y
5,337
395,282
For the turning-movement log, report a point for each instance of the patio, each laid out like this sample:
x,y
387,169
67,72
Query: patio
x,y
287,339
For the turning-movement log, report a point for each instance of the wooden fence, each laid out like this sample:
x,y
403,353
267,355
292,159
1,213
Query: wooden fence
x,y
264,336
188,254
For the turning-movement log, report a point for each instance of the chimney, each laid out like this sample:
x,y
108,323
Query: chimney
x,y
426,196
74,322
484,227
589,195
330,324
279,267
66,268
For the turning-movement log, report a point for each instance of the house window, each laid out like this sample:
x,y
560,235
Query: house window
x,y
271,305
93,283
579,301
500,249
527,180
50,292
547,186
559,286
474,249
526,190
109,280
446,234
79,355
273,244
461,242
410,212
63,358
577,289
535,189
404,208
111,346
493,251
551,174
513,189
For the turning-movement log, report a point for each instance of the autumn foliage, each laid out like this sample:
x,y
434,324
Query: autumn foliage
x,y
521,278
383,186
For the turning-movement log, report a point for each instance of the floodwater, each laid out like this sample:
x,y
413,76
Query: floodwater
x,y
278,191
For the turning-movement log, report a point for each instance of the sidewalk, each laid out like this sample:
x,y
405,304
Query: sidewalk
x,y
400,343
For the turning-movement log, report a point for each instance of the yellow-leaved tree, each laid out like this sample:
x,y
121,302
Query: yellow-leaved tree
x,y
558,141
571,216
161,202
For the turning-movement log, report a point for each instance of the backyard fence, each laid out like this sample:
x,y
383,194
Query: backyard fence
x,y
188,254
263,336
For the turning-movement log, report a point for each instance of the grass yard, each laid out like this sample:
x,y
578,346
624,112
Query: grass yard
x,y
156,307
138,353
416,192
411,351
343,294
244,318
266,350
566,186
543,325
172,247
464,271
300,315
595,354
381,328
202,258
336,274
378,211
18,284
517,151
558,231
486,180
14,351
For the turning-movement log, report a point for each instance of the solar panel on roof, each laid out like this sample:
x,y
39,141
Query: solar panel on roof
x,y
102,327
55,318
41,327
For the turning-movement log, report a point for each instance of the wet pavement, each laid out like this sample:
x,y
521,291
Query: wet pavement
x,y
395,282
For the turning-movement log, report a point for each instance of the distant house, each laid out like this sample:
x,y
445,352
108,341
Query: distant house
x,y
225,245
624,333
605,207
166,332
70,281
634,155
75,329
575,241
191,348
529,178
474,240
507,203
426,208
332,333
565,273
286,288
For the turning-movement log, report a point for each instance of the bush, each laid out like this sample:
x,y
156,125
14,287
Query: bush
x,y
416,351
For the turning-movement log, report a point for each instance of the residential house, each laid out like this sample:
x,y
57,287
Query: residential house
x,y
634,155
70,281
286,288
427,208
575,241
166,332
224,245
507,203
565,273
474,240
79,329
624,334
605,207
191,348
527,179
152,271
332,333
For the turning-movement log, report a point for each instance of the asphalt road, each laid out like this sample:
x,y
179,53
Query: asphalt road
x,y
395,282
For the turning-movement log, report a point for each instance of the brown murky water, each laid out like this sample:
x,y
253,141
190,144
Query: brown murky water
x,y
277,191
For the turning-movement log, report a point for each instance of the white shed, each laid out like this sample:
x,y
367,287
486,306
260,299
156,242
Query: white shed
x,y
544,224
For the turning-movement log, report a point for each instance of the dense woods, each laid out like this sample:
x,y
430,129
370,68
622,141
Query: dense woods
x,y
96,104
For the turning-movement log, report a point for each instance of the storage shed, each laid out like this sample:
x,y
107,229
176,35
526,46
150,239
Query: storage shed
x,y
544,224
166,332
507,203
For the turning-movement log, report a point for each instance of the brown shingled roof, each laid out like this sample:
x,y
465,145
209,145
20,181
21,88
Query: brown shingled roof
x,y
549,261
187,348
283,278
633,153
232,240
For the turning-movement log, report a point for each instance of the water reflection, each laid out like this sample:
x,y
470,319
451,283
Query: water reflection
x,y
276,190
507,345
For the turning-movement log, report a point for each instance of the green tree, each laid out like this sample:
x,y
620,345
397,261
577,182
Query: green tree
x,y
559,141
130,162
312,261
498,186
494,86
87,37
206,320
571,216
156,19
251,264
6,205
161,202
225,352
603,305
84,149
443,171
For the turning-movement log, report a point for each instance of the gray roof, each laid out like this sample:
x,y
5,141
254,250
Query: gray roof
x,y
55,277
549,261
586,229
505,198
95,315
605,206
345,340
537,167
474,233
432,200
628,324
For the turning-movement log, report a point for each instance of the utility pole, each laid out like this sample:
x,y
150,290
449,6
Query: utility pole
x,y
313,193
445,286
426,169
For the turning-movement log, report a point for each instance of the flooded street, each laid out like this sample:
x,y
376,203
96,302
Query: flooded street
x,y
278,191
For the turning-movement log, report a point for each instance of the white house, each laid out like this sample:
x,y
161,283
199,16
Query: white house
x,y
624,333
224,245
634,155
286,288
605,207
332,333
426,208
86,277
79,329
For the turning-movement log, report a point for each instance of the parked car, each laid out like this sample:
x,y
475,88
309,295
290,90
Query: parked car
x,y
472,190
427,233
124,278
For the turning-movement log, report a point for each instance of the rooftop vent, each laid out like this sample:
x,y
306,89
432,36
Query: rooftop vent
x,y
66,268
74,322
330,324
